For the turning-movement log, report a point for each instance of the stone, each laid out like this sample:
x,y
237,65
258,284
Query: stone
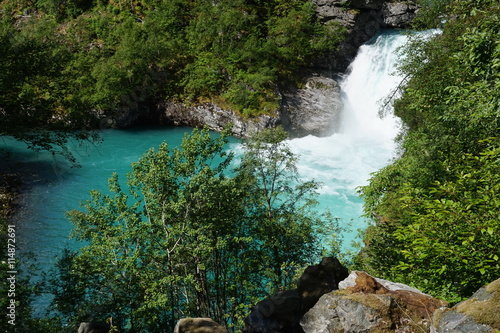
x,y
480,313
212,116
362,19
283,311
320,279
198,325
278,313
350,282
370,306
399,14
312,110
94,327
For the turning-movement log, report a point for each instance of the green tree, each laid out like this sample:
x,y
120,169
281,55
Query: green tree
x,y
32,102
188,237
282,205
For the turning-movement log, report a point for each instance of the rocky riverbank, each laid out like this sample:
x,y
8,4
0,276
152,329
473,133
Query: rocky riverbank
x,y
313,109
328,300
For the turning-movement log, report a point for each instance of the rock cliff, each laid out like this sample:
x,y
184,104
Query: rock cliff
x,y
363,19
312,110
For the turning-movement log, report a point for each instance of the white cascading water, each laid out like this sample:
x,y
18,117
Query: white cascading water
x,y
365,143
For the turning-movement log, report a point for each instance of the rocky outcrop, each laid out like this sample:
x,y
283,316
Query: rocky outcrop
x,y
362,19
480,313
212,116
312,110
198,325
371,305
283,311
398,14
328,300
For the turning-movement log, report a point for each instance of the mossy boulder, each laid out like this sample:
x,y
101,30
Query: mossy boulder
x,y
371,305
480,313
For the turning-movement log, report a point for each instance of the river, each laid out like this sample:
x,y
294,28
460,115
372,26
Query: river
x,y
342,161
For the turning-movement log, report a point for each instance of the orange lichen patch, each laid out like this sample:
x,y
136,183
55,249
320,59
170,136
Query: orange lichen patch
x,y
407,310
368,285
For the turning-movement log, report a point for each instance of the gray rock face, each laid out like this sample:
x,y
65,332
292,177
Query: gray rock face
x,y
212,116
367,305
335,314
480,313
398,14
313,110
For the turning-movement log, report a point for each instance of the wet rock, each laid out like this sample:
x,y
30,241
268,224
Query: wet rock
x,y
312,110
398,14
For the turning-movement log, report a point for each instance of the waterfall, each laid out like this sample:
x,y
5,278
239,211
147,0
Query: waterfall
x,y
365,142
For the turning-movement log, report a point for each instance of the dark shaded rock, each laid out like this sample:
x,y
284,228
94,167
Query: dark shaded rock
x,y
480,313
313,110
398,14
363,19
279,313
283,311
94,327
320,279
198,325
371,306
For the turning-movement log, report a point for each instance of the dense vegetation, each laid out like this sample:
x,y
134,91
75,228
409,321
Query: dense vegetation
x,y
436,208
66,63
188,228
188,236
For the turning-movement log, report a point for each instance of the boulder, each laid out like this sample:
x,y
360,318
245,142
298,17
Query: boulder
x,y
480,313
370,306
198,325
312,110
94,327
283,311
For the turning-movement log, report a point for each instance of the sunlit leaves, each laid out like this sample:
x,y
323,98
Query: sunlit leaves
x,y
437,205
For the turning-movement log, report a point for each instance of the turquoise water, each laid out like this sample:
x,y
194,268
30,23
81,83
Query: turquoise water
x,y
342,162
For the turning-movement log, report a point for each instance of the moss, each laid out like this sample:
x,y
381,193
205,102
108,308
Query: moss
x,y
484,312
370,300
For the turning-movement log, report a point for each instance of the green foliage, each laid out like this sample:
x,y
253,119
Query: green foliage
x,y
436,207
188,236
67,63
